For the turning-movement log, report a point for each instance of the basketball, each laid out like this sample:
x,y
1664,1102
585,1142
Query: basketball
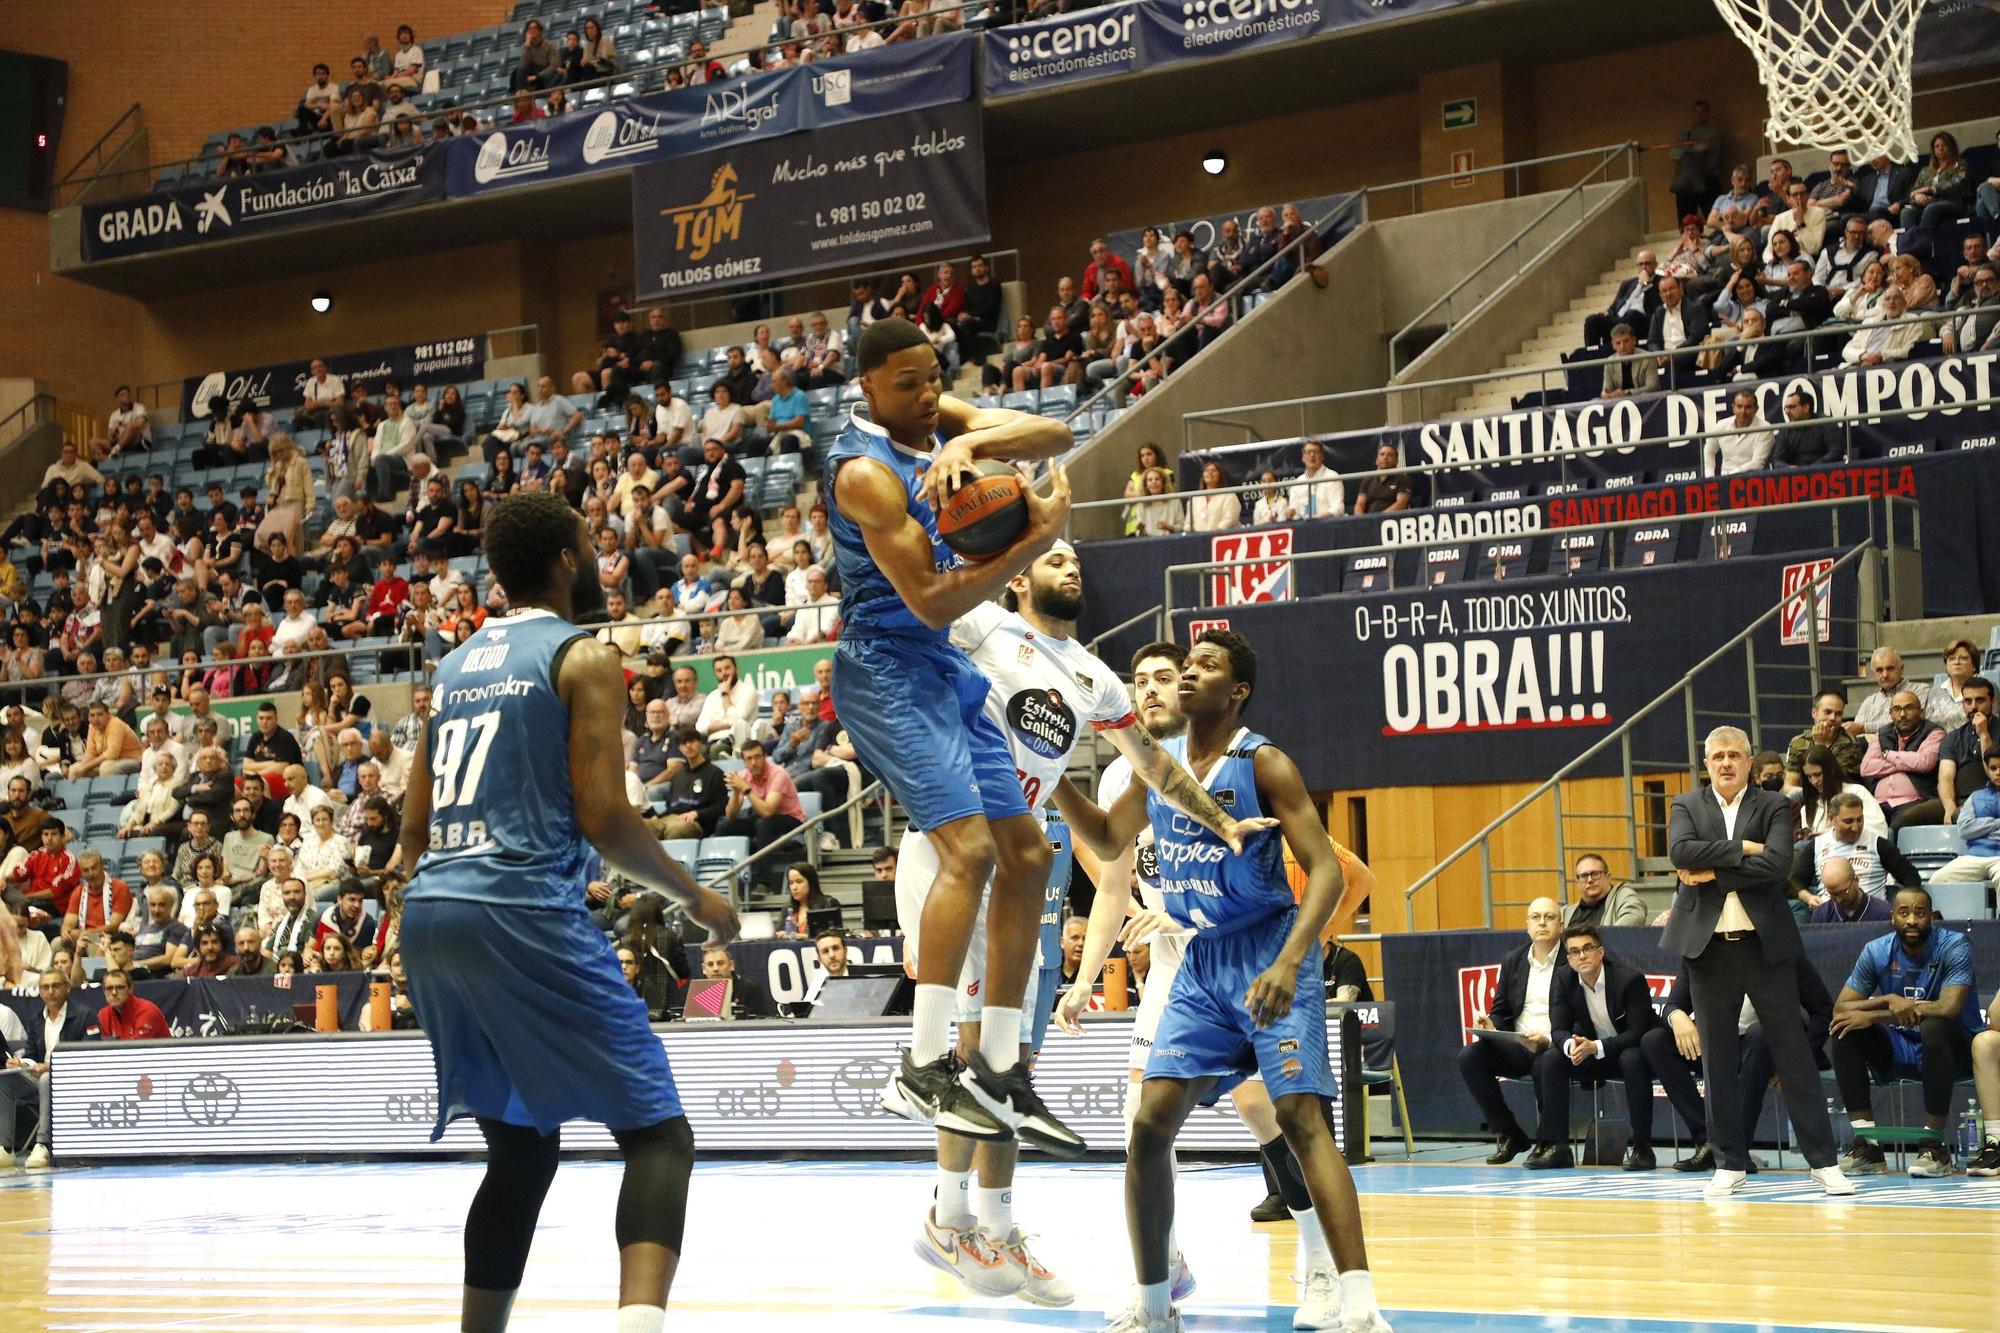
x,y
985,515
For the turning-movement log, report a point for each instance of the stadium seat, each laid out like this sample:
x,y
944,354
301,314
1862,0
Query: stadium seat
x,y
684,850
1963,902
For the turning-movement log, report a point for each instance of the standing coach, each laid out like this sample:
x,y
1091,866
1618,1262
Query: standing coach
x,y
1731,845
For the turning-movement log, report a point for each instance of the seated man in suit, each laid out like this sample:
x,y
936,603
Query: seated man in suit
x,y
1624,378
1599,1012
1602,900
1807,445
24,1083
1520,1004
1632,303
1673,1049
1677,329
1908,1011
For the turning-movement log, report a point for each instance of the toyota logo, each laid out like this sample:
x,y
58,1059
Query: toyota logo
x,y
746,1103
1097,1099
210,1099
411,1108
858,1086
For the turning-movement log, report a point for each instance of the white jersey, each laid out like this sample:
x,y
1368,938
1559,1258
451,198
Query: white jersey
x,y
1145,865
1042,692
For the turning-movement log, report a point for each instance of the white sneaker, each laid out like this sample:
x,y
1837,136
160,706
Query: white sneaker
x,y
1038,1285
38,1158
1832,1180
968,1255
1365,1321
1132,1319
1724,1183
1183,1279
828,842
1319,1301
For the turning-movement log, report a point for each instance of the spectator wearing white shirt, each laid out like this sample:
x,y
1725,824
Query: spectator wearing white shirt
x,y
730,710
1840,265
127,427
406,69
1316,492
398,440
1214,513
817,620
303,797
1745,446
314,114
160,741
319,395
289,635
391,762
673,420
1271,502
1884,337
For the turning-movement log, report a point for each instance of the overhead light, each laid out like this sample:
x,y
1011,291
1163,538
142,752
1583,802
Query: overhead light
x,y
1214,163
322,302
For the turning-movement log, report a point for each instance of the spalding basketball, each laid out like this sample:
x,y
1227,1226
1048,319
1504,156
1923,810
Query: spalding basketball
x,y
985,515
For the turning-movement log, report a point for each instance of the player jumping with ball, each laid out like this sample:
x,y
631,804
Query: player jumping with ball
x,y
1248,994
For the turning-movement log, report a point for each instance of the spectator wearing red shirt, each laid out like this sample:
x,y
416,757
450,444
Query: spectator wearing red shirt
x,y
1101,259
347,916
763,802
101,902
387,598
127,1017
947,294
48,878
823,678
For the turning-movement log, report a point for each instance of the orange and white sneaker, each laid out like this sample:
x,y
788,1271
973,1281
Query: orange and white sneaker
x,y
1038,1285
970,1256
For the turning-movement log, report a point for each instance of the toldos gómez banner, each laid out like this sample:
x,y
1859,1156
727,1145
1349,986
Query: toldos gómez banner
x,y
855,194
1608,441
278,388
684,121
1139,35
1501,682
222,208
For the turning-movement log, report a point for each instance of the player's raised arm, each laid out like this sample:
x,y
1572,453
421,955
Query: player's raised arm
x,y
1108,834
1170,778
874,498
593,687
975,434
1282,791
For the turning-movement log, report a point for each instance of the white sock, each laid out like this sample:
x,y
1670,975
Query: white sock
x,y
1993,1131
930,1023
641,1318
1357,1290
954,1196
1156,1298
1000,1037
995,1210
1313,1251
1855,1122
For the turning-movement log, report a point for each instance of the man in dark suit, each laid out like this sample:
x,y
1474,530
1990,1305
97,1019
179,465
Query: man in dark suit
x,y
24,1083
1678,325
1811,445
1881,189
1521,1003
1731,845
1632,304
1600,1010
1673,1049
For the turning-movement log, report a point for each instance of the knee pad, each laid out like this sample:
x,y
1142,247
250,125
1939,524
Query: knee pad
x,y
1284,1165
652,1203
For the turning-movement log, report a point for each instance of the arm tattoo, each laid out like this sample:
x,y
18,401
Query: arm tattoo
x,y
1191,798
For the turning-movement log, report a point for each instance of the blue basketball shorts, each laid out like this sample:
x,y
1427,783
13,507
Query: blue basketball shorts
x,y
1206,1030
913,709
530,1020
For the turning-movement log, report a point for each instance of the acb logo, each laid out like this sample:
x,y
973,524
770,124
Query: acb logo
x,y
1476,988
699,227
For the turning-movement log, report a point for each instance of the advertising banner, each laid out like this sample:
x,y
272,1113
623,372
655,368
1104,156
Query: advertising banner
x,y
1439,978
1153,34
1501,680
683,121
227,207
854,194
279,388
1604,442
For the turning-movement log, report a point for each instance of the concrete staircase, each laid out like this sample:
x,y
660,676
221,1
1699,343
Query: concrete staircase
x,y
1563,333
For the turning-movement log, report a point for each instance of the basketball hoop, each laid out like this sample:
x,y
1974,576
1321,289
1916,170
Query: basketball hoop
x,y
1837,71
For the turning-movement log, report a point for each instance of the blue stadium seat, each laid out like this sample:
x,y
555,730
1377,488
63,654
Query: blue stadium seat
x,y
684,850
1020,402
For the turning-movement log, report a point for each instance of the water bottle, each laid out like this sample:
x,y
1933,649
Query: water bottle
x,y
1968,1134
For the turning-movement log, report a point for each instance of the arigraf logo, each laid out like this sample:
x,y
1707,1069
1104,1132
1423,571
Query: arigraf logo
x,y
716,217
732,108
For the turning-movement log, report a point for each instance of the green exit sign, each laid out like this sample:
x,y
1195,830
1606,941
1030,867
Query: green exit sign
x,y
1461,113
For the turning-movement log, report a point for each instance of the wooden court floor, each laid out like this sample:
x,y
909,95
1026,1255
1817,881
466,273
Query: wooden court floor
x,y
376,1246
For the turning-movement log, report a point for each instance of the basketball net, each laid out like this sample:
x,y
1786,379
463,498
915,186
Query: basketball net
x,y
1837,71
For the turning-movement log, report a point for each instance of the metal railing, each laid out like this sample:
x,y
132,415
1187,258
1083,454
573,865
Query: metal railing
x,y
1806,598
1358,204
722,308
650,76
1414,405
1486,278
39,408
1847,423
97,154
875,792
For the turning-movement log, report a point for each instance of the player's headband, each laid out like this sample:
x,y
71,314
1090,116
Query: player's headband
x,y
1061,545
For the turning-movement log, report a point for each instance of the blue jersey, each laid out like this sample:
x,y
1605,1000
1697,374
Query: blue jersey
x,y
1055,899
869,604
1885,967
1202,885
503,821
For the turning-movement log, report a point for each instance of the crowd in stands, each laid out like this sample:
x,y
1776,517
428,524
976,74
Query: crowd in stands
x,y
1855,252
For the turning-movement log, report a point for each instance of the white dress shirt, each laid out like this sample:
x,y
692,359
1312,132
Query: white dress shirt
x,y
1673,333
52,1026
1597,999
1733,917
1317,494
1535,1004
1725,455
